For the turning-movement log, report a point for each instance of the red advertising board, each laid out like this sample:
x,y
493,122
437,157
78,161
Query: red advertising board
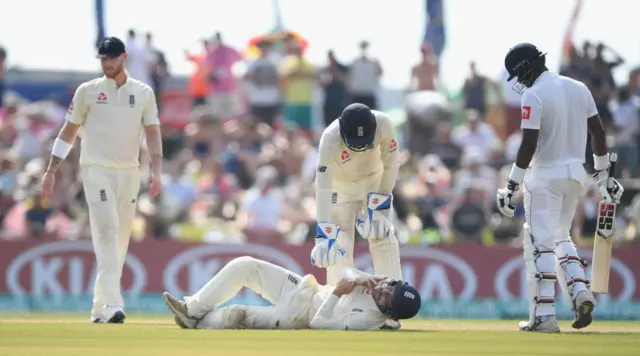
x,y
461,272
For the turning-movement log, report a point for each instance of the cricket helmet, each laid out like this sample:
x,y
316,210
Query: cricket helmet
x,y
397,299
358,127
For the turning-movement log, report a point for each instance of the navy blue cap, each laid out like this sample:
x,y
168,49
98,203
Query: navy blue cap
x,y
111,47
358,127
406,301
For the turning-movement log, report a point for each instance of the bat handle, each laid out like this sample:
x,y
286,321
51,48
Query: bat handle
x,y
613,160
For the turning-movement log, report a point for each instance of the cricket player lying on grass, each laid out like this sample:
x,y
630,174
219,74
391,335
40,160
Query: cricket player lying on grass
x,y
358,302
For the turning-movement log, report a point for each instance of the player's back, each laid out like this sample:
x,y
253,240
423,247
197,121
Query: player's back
x,y
559,106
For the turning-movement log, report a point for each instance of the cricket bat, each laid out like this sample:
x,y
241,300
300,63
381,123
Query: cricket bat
x,y
603,239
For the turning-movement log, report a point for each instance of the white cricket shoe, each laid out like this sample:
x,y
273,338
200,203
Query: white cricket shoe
x,y
179,309
112,314
542,324
584,303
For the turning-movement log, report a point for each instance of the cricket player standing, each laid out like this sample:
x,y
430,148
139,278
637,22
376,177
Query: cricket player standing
x,y
111,112
358,301
557,114
358,163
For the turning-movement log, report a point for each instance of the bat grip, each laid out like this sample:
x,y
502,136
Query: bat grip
x,y
613,160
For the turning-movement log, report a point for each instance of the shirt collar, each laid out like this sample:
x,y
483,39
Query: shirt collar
x,y
112,83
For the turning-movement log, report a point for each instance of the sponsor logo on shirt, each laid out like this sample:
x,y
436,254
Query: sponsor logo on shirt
x,y
70,108
322,169
526,112
393,145
334,198
102,99
345,156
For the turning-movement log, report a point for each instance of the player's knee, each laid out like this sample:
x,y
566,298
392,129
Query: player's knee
x,y
390,242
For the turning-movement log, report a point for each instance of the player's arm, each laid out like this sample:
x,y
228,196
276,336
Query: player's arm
x,y
326,319
152,132
531,118
390,156
75,118
324,180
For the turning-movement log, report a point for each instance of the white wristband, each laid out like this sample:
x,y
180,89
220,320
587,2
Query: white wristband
x,y
60,148
600,163
517,174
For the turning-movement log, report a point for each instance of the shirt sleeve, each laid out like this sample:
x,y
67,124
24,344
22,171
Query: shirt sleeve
x,y
390,155
592,110
324,180
150,113
531,111
351,273
326,319
79,107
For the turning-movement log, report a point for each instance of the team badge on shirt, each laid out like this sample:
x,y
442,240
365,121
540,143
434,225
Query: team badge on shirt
x,y
526,112
132,100
70,108
393,145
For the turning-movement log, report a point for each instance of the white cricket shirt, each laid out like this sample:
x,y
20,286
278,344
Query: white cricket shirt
x,y
558,107
112,121
339,166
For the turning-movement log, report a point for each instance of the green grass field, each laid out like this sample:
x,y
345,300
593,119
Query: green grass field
x,y
51,334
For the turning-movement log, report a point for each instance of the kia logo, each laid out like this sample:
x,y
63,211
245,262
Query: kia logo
x,y
436,274
66,267
198,265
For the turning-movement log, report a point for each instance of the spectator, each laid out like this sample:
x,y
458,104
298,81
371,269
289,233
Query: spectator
x,y
512,146
444,147
364,78
263,92
140,59
475,170
468,213
511,101
3,58
333,79
626,121
424,75
474,90
297,80
262,205
159,69
8,177
199,81
475,133
37,214
606,67
223,99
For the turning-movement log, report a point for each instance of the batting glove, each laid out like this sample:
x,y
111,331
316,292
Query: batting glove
x,y
610,189
326,252
505,198
376,223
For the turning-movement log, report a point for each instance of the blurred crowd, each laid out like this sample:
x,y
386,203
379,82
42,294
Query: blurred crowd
x,y
242,168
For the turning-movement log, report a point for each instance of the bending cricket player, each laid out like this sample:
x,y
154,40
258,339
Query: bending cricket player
x,y
557,115
112,113
358,163
358,302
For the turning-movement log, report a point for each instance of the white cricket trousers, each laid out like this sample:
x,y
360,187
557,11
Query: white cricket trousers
x,y
347,200
290,294
551,197
112,195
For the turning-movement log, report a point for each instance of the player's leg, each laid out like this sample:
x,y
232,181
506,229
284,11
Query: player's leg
x,y
127,198
385,253
99,190
571,273
242,317
542,208
271,281
344,215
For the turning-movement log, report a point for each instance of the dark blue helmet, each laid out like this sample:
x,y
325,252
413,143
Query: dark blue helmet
x,y
397,299
358,127
520,60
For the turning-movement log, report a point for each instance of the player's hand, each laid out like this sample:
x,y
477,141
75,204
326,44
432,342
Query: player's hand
x,y
505,198
326,252
368,282
155,184
610,189
345,286
376,224
47,184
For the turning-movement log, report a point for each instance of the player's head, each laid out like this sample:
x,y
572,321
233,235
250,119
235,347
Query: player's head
x,y
112,54
397,299
358,127
525,62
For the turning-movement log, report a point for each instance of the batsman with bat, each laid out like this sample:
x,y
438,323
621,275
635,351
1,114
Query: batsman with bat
x,y
557,114
357,168
111,112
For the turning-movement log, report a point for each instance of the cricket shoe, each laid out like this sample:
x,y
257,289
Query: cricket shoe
x,y
112,314
584,305
179,309
541,324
